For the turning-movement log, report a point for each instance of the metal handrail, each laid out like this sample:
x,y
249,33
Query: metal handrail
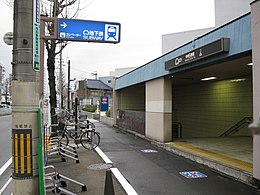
x,y
235,128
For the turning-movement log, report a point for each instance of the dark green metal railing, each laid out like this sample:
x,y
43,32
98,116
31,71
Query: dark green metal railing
x,y
239,125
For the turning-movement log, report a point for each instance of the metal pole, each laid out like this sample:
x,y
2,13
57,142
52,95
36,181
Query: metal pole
x,y
69,85
76,114
1,69
6,92
25,94
41,88
60,78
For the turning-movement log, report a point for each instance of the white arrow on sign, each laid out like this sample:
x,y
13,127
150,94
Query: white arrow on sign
x,y
64,25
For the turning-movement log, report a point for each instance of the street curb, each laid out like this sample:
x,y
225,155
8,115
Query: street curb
x,y
234,173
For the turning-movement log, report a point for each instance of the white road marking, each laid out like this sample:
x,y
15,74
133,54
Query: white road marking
x,y
102,155
6,165
6,185
124,183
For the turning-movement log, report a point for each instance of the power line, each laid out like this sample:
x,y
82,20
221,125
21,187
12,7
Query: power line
x,y
79,70
9,3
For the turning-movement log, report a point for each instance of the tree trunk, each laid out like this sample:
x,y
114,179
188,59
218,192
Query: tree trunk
x,y
52,81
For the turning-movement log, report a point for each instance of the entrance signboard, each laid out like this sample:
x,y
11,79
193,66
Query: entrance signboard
x,y
218,46
104,103
88,31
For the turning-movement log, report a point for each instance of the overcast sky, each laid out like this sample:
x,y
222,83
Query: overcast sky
x,y
143,22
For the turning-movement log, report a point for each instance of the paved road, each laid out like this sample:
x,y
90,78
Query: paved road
x,y
5,138
5,148
158,173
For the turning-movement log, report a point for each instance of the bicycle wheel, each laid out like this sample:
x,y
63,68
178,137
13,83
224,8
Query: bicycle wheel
x,y
90,140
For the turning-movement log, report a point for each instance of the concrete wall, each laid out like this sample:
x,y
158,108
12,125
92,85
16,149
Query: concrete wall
x,y
174,40
107,120
227,10
209,109
255,9
131,120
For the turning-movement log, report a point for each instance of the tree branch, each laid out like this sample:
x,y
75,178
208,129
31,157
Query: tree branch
x,y
61,49
62,6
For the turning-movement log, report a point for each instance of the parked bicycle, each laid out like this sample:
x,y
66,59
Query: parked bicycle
x,y
84,135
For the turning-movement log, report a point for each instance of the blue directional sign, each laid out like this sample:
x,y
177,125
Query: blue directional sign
x,y
88,31
104,103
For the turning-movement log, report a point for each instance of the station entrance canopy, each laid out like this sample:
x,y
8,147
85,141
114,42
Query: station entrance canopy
x,y
213,48
220,45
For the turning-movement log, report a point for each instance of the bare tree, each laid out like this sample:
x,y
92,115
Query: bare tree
x,y
63,9
54,9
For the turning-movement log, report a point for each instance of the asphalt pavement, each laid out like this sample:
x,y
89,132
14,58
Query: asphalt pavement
x,y
154,171
139,167
5,150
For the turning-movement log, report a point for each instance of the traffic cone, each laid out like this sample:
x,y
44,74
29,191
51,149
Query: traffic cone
x,y
109,187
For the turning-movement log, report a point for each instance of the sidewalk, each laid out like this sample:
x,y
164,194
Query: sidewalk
x,y
91,171
238,168
225,155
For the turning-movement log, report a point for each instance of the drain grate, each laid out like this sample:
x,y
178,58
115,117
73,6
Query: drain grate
x,y
100,166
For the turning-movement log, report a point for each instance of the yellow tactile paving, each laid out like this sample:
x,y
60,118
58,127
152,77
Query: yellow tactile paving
x,y
213,156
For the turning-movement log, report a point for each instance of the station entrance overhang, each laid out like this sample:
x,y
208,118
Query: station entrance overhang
x,y
229,69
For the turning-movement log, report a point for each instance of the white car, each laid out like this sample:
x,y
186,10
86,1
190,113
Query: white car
x,y
5,109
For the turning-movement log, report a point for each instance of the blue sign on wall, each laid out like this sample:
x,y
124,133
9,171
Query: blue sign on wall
x,y
104,103
88,31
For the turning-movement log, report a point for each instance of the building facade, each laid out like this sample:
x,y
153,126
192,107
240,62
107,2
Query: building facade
x,y
204,86
225,11
89,91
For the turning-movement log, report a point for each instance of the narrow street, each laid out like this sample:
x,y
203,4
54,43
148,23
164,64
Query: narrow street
x,y
5,145
151,170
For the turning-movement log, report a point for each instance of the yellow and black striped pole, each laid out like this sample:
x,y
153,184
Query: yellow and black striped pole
x,y
22,153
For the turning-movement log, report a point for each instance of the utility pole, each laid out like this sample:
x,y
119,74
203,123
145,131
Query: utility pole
x,y
68,107
25,94
6,91
95,75
61,80
1,85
